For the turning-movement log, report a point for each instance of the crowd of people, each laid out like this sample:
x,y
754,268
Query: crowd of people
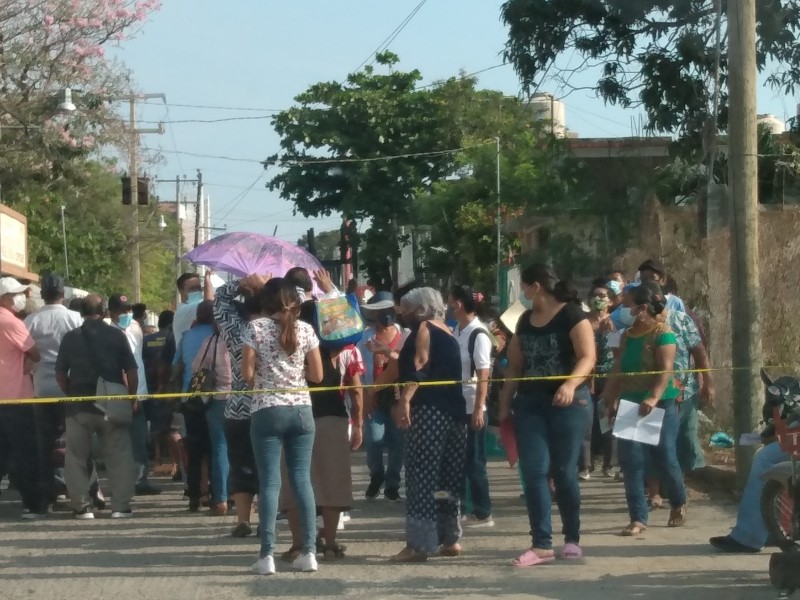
x,y
267,407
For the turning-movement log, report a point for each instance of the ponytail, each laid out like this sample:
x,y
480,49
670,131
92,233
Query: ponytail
x,y
280,299
564,291
288,329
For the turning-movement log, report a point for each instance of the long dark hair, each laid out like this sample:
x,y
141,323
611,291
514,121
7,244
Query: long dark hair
x,y
562,291
649,294
280,300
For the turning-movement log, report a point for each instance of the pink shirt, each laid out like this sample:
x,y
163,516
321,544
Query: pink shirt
x,y
15,341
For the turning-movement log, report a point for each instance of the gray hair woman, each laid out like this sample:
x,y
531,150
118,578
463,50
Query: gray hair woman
x,y
437,433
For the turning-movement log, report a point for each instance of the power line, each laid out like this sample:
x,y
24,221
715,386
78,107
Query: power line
x,y
212,107
463,77
198,155
391,37
222,120
174,142
238,200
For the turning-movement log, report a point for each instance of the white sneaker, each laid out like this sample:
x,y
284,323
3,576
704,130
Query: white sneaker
x,y
264,566
345,516
122,514
307,563
584,476
473,522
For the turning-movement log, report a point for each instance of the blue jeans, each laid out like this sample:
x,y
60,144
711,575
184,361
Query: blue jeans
x,y
290,428
750,529
381,432
477,479
549,440
215,418
664,459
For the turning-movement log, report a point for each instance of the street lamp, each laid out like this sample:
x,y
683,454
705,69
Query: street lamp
x,y
66,105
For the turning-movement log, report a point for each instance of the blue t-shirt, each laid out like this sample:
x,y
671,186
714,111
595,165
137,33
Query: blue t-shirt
x,y
675,303
189,346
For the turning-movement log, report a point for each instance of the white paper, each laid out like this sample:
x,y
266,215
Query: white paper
x,y
750,439
630,426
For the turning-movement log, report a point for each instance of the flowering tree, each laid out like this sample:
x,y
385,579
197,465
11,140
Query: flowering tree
x,y
45,47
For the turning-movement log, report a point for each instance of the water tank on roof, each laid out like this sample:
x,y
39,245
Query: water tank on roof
x,y
773,123
545,107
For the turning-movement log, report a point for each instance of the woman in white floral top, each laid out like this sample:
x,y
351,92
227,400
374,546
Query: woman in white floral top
x,y
281,353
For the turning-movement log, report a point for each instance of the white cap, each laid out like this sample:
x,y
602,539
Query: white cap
x,y
9,285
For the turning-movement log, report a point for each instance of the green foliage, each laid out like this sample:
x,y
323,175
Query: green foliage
x,y
656,54
98,237
326,242
371,115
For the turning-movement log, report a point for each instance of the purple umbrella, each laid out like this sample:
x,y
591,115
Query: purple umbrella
x,y
242,253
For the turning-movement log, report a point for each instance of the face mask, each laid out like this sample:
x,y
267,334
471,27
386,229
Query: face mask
x,y
598,303
125,320
19,303
194,297
626,317
525,302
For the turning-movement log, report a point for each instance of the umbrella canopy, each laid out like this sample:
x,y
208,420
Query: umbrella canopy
x,y
241,253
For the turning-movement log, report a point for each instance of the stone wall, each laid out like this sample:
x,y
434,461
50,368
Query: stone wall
x,y
701,268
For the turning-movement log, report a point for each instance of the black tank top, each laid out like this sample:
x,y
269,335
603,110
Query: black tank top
x,y
328,403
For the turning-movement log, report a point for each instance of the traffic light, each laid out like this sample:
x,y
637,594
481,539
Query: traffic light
x,y
142,191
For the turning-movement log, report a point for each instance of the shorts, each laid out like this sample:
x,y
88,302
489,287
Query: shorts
x,y
243,475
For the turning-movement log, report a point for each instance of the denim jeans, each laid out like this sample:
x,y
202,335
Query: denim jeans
x,y
750,529
381,432
549,440
664,459
477,479
290,428
215,419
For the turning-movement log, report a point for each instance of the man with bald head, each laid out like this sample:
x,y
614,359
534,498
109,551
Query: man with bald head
x,y
96,350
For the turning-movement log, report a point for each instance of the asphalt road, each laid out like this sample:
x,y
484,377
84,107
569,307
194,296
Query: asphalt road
x,y
167,553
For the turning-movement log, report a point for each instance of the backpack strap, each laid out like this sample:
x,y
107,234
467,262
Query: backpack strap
x,y
471,348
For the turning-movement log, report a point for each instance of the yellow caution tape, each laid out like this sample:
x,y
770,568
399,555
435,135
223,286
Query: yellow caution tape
x,y
180,395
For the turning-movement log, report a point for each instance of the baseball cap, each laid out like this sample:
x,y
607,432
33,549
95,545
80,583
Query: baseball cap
x,y
52,283
380,301
9,285
653,265
119,303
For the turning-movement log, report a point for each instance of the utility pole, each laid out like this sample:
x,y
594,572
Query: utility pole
x,y
198,208
743,176
497,223
134,176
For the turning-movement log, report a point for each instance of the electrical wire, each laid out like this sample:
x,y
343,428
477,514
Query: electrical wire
x,y
463,77
212,107
238,199
174,142
390,38
222,120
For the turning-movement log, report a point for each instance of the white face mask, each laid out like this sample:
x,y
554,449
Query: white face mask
x,y
525,301
19,303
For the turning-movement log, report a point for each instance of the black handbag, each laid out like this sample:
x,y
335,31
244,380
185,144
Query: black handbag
x,y
203,380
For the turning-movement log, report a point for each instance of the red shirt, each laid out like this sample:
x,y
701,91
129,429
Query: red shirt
x,y
15,341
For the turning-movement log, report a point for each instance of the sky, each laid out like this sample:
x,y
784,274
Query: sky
x,y
260,54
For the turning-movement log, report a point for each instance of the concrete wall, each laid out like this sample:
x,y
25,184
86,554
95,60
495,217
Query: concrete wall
x,y
702,269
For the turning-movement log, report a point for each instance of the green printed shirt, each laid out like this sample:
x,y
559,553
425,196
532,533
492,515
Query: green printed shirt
x,y
631,362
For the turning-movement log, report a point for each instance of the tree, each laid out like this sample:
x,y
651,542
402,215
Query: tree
x,y
336,141
660,55
327,244
538,177
45,47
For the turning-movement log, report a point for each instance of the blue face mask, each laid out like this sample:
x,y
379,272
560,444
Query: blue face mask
x,y
525,302
626,317
125,320
194,297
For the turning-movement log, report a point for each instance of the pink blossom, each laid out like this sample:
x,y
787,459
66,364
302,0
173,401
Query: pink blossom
x,y
88,141
72,143
49,20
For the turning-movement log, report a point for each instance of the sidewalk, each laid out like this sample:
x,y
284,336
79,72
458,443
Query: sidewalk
x,y
167,553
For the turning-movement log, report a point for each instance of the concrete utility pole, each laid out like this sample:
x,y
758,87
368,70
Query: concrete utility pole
x,y
198,208
743,175
134,177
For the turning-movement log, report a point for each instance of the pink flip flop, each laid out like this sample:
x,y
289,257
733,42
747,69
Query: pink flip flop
x,y
570,552
529,558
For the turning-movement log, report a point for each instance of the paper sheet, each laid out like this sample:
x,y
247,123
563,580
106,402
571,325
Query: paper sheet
x,y
630,426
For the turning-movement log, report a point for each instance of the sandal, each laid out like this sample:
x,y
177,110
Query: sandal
x,y
408,555
655,503
529,558
571,552
291,554
677,517
634,529
333,551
